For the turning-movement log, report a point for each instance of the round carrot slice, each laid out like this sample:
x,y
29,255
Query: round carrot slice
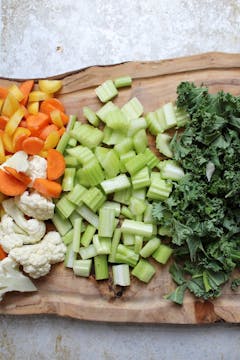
x,y
32,145
9,185
55,164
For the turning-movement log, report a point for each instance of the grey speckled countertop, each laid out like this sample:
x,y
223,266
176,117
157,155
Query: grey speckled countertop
x,y
47,37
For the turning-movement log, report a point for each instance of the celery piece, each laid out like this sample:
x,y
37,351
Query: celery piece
x,y
74,216
112,137
70,257
93,198
88,215
139,193
135,125
91,116
147,217
61,146
170,169
82,153
126,255
87,252
77,126
72,142
82,267
133,109
124,158
140,141
128,239
65,207
151,159
62,225
76,234
137,228
153,124
102,244
68,179
105,109
163,144
155,229
121,275
117,183
138,244
101,267
135,164
76,194
169,114
100,153
106,222
68,237
125,211
140,218
123,81
106,91
123,196
182,117
87,236
159,189
71,122
87,135
162,253
71,161
90,174
116,120
137,206
115,241
124,146
165,231
113,205
141,179
111,164
150,247
144,271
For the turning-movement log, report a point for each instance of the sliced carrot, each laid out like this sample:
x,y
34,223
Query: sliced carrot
x,y
37,122
18,175
46,131
61,131
55,164
64,118
20,131
2,253
3,93
18,144
32,145
9,185
51,104
3,122
26,88
47,188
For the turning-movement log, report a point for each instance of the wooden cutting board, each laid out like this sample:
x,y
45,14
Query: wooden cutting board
x,y
61,292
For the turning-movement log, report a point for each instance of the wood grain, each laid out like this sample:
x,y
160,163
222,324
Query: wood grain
x,y
63,294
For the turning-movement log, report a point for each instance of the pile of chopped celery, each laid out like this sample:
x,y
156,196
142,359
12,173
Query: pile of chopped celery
x,y
105,212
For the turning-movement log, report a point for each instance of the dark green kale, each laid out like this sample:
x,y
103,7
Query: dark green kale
x,y
203,210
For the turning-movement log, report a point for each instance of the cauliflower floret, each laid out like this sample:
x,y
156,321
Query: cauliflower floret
x,y
35,205
9,239
37,168
37,259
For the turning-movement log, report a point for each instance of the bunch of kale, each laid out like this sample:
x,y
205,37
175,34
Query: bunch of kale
x,y
203,212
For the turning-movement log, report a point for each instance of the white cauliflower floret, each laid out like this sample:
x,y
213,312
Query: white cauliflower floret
x,y
18,161
35,205
37,259
9,239
37,168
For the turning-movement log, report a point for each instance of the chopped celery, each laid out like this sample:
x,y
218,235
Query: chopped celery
x,y
138,244
68,237
115,241
65,207
123,81
163,144
76,194
106,91
82,153
77,234
70,257
139,193
137,228
88,215
87,135
151,159
68,179
88,235
144,271
90,174
72,142
128,239
135,164
135,125
133,109
141,179
82,267
170,169
155,229
156,122
126,255
117,183
124,158
71,122
87,252
116,120
93,198
101,267
102,244
123,196
150,247
105,109
61,146
91,116
147,217
140,141
113,205
111,164
182,117
121,275
169,114
125,211
62,225
71,161
124,146
112,137
137,206
106,222
77,126
73,216
159,189
100,153
162,254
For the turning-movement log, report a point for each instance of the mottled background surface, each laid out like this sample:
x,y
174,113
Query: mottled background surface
x,y
47,37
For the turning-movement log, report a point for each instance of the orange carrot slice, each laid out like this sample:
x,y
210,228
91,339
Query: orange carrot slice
x,y
37,122
26,88
18,175
46,131
9,185
18,143
3,93
47,106
55,164
47,188
32,145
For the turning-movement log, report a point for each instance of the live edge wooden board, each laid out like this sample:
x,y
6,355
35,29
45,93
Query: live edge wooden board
x,y
61,292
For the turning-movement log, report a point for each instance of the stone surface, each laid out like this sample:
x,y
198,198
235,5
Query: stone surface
x,y
47,37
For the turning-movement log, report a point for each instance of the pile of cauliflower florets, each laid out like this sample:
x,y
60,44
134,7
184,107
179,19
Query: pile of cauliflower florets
x,y
22,228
